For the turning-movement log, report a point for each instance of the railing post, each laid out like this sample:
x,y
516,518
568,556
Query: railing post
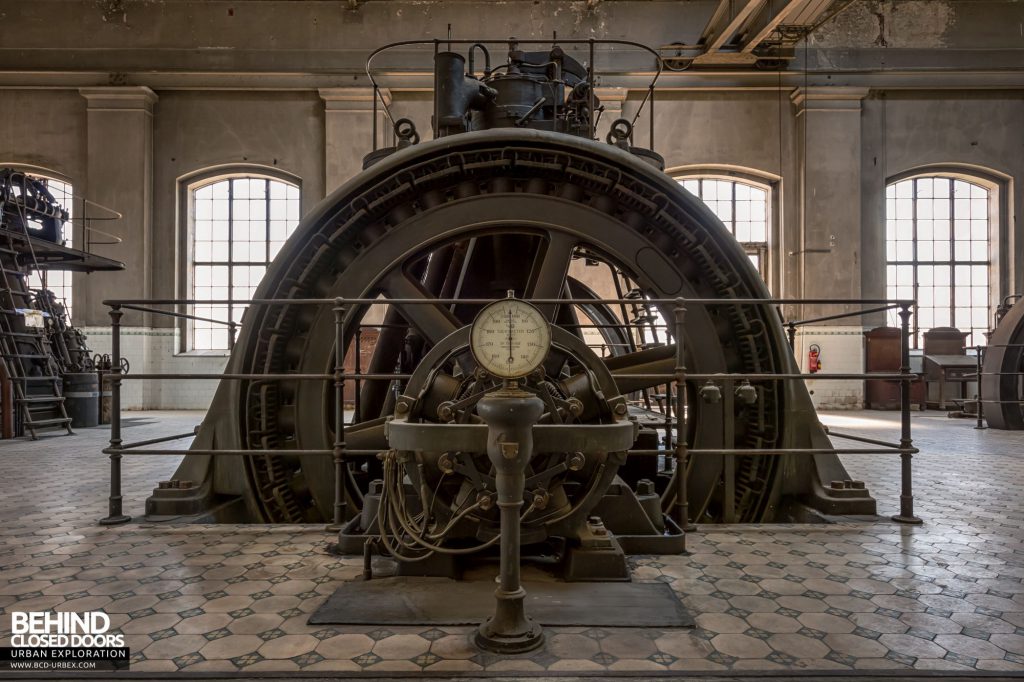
x,y
682,479
791,335
981,402
906,514
114,511
339,416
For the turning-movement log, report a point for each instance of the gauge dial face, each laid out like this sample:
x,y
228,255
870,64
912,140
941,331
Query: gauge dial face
x,y
510,338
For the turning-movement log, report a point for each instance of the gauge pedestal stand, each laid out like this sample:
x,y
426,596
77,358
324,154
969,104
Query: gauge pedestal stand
x,y
510,414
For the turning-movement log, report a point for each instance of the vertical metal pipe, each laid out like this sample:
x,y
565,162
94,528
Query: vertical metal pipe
x,y
115,514
981,401
651,114
357,388
593,84
729,441
668,415
376,94
906,514
339,416
510,414
682,479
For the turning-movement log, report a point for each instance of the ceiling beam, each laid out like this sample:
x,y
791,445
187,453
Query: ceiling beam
x,y
811,12
711,28
773,23
737,22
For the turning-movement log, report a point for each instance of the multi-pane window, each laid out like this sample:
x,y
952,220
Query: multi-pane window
x,y
238,226
57,281
743,207
937,252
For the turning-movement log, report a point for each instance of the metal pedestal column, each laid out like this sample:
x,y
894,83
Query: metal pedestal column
x,y
510,415
906,514
115,516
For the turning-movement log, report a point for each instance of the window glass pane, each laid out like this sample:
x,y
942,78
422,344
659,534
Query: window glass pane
x,y
904,209
57,281
238,225
937,250
742,207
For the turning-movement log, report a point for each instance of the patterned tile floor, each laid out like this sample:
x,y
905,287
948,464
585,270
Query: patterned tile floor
x,y
947,595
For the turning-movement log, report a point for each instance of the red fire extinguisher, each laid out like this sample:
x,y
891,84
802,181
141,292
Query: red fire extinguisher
x,y
814,358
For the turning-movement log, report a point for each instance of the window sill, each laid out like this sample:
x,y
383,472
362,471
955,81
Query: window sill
x,y
203,354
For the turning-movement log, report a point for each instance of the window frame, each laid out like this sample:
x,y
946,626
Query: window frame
x,y
997,278
772,186
187,187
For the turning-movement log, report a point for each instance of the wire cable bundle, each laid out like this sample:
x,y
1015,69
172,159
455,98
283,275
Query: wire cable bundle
x,y
415,537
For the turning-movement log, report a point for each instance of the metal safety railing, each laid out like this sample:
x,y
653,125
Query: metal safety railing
x,y
675,416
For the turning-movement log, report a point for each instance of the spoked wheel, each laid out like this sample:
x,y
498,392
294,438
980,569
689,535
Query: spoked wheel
x,y
475,217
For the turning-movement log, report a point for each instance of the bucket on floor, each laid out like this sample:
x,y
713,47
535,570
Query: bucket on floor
x,y
82,398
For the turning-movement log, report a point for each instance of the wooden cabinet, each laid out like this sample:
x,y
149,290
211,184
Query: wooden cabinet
x,y
882,353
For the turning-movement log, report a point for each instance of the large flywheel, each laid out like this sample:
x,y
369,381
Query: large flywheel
x,y
473,217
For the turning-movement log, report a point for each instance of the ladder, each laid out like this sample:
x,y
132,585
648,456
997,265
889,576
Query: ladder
x,y
25,349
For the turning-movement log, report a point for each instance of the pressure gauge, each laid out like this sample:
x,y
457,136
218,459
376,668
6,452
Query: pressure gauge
x,y
510,338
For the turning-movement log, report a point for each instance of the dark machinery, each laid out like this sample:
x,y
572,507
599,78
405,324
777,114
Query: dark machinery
x,y
514,195
1002,381
46,360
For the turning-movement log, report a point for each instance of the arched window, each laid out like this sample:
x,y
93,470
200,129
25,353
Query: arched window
x,y
57,281
937,252
238,225
744,207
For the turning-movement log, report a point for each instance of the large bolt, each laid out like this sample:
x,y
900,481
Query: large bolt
x,y
575,407
746,393
576,461
540,498
710,392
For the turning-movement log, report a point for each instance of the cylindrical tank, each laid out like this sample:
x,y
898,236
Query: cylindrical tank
x,y
82,398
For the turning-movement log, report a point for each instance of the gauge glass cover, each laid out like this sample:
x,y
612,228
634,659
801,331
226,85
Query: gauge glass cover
x,y
510,338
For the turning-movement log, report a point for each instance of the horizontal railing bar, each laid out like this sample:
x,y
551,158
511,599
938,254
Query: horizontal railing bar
x,y
154,441
484,301
133,450
862,439
767,377
792,451
174,313
803,451
179,375
839,316
667,453
206,451
297,377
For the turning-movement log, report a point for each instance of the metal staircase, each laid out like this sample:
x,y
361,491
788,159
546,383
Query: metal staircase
x,y
25,347
38,344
